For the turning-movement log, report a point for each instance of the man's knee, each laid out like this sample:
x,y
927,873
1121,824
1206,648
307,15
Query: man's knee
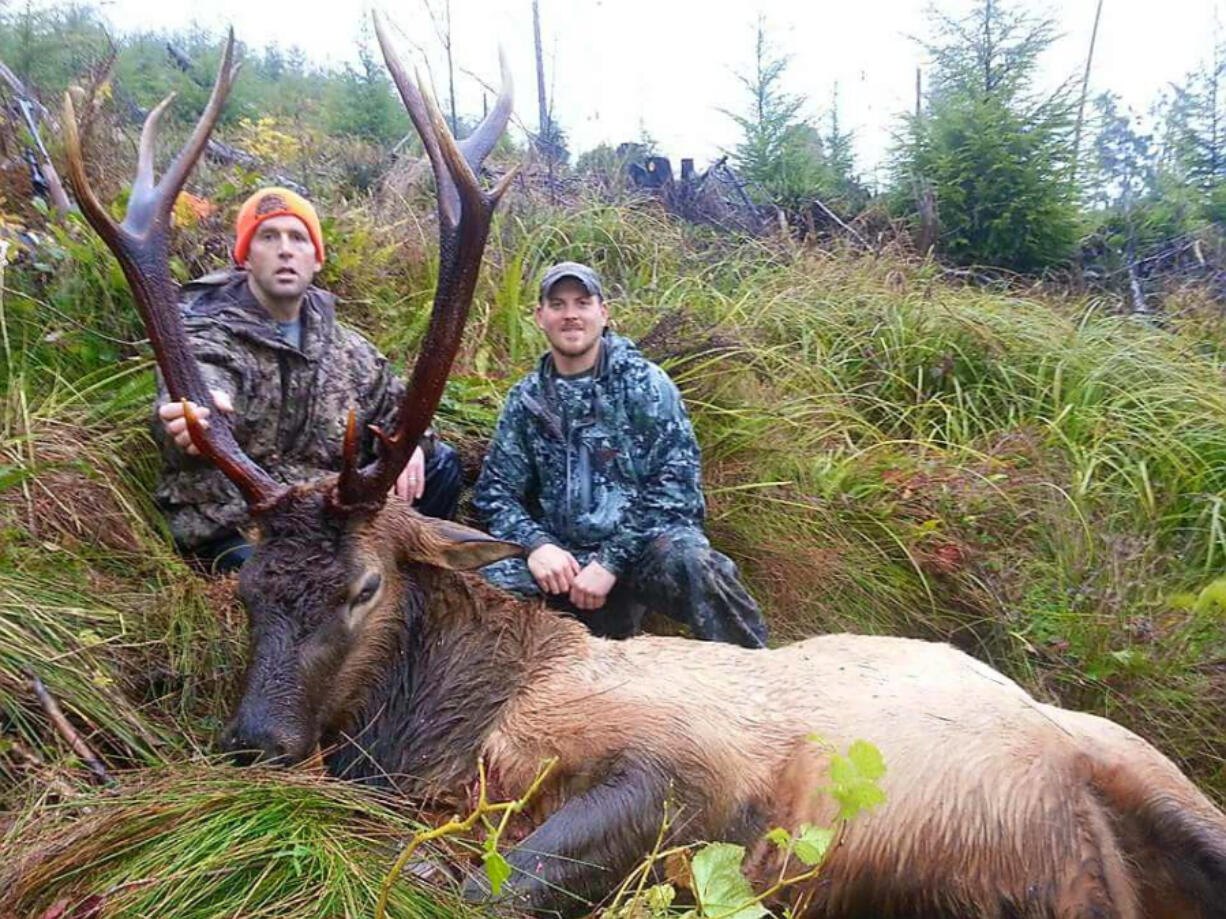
x,y
675,552
679,543
225,554
512,574
683,577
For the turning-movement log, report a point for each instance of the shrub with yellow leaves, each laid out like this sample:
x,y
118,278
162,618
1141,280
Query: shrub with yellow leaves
x,y
266,139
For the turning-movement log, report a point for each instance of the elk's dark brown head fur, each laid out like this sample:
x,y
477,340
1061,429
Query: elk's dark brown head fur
x,y
328,588
330,597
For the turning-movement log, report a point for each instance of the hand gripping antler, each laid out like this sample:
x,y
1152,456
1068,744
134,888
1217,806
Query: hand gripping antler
x,y
464,213
142,245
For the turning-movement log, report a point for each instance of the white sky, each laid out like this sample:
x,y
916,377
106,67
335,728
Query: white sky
x,y
667,65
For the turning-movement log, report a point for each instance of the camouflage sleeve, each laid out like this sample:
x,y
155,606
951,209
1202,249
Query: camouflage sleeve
x,y
507,479
221,371
381,399
200,503
670,490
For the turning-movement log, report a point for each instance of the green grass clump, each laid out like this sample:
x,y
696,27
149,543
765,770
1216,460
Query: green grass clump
x,y
206,841
93,600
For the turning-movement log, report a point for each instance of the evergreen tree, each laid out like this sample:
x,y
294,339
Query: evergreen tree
x,y
1196,125
552,142
787,158
1121,183
992,153
779,152
47,48
841,183
361,103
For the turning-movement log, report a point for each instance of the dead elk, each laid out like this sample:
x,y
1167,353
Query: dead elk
x,y
368,636
997,805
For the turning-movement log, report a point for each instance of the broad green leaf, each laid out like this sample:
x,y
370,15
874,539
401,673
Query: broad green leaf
x,y
842,770
496,869
856,796
811,844
867,759
721,888
854,779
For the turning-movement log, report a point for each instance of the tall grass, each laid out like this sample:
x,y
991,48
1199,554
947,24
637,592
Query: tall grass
x,y
1033,478
203,841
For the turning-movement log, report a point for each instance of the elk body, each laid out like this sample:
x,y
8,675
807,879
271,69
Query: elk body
x,y
370,637
997,805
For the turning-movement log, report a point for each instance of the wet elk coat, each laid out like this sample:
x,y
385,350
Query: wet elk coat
x,y
997,805
369,635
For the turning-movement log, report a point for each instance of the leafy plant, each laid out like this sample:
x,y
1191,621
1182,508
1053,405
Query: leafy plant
x,y
714,871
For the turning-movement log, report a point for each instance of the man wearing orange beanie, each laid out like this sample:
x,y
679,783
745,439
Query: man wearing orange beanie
x,y
275,357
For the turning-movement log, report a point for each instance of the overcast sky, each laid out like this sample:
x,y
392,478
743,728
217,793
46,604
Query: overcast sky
x,y
617,67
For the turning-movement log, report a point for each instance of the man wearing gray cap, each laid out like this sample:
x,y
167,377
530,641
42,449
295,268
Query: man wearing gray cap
x,y
594,469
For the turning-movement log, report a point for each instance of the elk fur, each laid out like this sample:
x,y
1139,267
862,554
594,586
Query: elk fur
x,y
997,805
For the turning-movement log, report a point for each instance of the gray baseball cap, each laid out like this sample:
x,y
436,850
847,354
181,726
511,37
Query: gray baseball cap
x,y
581,273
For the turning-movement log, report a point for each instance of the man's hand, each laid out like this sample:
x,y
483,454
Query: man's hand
x,y
591,586
412,479
175,423
553,568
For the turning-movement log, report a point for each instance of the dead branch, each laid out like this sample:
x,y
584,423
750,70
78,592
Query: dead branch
x,y
18,89
32,112
66,730
837,219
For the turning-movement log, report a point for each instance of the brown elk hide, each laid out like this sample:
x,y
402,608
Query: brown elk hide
x,y
995,802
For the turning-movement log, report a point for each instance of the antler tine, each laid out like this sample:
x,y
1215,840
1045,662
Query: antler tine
x,y
477,145
463,176
448,207
151,200
461,244
142,200
259,491
141,245
177,172
93,210
474,148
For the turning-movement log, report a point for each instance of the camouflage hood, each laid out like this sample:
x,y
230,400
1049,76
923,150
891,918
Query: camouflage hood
x,y
598,464
290,403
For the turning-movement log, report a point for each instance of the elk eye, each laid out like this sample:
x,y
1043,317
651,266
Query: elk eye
x,y
369,589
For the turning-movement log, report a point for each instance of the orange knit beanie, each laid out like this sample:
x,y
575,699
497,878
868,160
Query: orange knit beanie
x,y
274,202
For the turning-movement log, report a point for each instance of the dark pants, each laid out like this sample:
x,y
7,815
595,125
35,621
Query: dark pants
x,y
678,575
439,499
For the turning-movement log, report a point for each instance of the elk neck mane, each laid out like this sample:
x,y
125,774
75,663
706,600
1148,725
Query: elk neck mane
x,y
460,652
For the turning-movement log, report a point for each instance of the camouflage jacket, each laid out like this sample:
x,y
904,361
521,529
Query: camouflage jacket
x,y
290,405
599,466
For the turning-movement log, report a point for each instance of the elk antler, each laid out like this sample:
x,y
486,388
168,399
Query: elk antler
x,y
464,213
142,244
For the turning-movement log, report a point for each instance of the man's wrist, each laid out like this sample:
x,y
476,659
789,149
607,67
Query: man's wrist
x,y
608,564
531,545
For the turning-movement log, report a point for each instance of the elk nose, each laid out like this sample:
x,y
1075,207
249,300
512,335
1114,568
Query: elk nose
x,y
250,745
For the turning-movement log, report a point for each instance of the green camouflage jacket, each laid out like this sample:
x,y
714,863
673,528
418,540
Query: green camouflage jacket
x,y
290,405
599,466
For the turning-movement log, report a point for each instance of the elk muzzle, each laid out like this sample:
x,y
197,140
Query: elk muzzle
x,y
252,737
272,724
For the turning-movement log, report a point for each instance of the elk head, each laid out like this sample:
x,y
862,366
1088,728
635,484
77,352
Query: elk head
x,y
329,584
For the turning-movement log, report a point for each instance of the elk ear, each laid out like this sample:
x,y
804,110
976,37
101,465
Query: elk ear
x,y
459,548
